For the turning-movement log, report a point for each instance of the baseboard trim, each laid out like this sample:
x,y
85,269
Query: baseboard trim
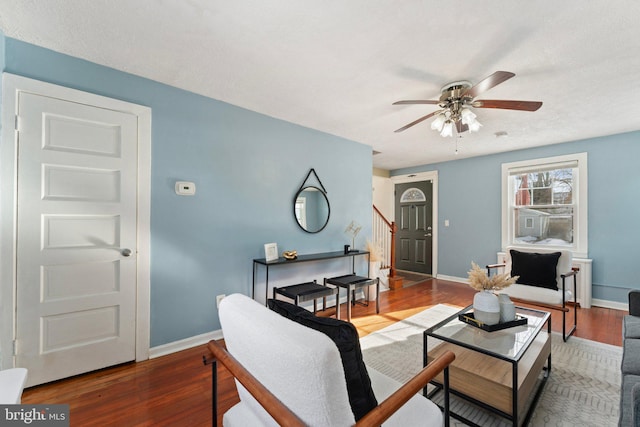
x,y
185,344
610,304
453,278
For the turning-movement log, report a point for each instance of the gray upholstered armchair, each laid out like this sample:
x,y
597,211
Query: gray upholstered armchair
x,y
630,389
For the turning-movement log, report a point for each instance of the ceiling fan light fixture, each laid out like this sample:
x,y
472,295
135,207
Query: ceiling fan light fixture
x,y
438,123
447,129
467,116
474,126
455,100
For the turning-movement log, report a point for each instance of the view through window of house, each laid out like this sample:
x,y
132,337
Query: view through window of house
x,y
545,203
543,207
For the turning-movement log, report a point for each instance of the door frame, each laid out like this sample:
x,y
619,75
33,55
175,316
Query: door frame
x,y
417,177
12,85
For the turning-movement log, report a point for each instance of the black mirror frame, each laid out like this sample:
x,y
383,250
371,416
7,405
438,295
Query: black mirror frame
x,y
322,190
295,198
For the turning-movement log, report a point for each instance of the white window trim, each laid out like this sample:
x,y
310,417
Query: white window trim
x,y
580,246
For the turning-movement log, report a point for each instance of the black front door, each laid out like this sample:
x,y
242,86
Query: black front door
x,y
414,216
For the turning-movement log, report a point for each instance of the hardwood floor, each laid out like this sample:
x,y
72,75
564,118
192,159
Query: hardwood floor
x,y
175,390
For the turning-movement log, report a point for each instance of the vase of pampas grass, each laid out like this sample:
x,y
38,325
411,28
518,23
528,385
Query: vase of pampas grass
x,y
486,305
375,257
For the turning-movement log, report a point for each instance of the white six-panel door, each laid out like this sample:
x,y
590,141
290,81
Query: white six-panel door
x,y
76,237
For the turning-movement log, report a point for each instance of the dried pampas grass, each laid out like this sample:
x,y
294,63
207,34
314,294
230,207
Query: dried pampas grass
x,y
375,251
479,280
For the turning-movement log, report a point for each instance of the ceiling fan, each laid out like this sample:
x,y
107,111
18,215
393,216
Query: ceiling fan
x,y
457,97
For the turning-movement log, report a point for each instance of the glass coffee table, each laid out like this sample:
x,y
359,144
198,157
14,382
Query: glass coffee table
x,y
503,371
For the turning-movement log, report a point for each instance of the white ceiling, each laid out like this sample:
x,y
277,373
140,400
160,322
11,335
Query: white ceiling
x,y
338,65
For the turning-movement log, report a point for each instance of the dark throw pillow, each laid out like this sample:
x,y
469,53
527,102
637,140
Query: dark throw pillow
x,y
345,335
535,269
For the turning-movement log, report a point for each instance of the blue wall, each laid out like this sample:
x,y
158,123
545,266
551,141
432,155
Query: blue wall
x,y
247,168
470,198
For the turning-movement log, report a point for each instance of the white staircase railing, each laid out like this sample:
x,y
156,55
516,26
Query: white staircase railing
x,y
382,236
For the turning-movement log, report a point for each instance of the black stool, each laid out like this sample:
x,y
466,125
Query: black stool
x,y
307,291
351,283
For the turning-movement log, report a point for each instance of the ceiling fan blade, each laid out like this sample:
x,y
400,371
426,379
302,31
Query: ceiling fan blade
x,y
416,102
461,127
415,122
492,81
507,105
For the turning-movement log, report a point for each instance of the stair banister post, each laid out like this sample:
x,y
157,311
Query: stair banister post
x,y
392,269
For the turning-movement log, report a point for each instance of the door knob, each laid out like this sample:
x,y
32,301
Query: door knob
x,y
126,252
427,235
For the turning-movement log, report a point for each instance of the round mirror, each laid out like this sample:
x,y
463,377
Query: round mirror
x,y
311,209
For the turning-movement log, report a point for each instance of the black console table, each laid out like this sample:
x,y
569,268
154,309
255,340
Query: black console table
x,y
301,258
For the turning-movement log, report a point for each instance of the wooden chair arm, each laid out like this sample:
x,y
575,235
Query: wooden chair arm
x,y
391,404
539,304
269,402
490,266
285,417
573,272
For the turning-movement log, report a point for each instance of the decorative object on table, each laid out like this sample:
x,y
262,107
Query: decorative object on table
x,y
507,308
471,319
352,231
270,251
486,305
375,252
290,254
375,257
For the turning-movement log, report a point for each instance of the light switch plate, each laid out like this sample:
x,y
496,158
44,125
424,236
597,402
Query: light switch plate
x,y
184,188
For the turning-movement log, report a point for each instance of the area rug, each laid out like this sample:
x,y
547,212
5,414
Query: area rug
x,y
582,390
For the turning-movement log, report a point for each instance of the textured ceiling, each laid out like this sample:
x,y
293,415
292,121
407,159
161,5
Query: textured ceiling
x,y
338,65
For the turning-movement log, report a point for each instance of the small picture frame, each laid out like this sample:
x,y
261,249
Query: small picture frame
x,y
270,251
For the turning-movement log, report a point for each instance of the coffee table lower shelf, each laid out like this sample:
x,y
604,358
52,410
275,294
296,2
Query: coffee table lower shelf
x,y
500,386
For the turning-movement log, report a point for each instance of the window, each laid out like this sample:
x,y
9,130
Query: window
x,y
413,195
545,203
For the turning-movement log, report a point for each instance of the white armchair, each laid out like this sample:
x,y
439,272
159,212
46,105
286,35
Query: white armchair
x,y
290,374
542,280
12,383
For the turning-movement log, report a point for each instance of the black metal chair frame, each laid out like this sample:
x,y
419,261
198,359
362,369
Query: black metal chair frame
x,y
563,307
